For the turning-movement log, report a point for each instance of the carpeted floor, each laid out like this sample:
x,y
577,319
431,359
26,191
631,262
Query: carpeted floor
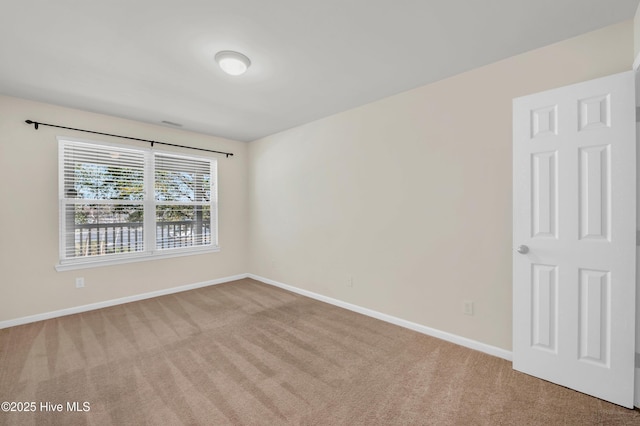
x,y
248,353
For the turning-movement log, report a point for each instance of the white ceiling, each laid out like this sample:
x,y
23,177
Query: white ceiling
x,y
152,60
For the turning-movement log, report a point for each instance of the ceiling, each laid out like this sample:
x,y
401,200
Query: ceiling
x,y
152,60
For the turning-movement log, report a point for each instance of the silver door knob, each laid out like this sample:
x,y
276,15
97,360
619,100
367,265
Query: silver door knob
x,y
522,249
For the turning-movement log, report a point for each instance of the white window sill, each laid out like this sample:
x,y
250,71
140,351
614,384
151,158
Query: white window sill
x,y
70,265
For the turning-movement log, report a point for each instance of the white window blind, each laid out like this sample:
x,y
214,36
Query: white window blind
x,y
121,202
182,201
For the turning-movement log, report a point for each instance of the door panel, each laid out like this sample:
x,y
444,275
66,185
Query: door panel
x,y
594,321
595,191
544,299
544,205
574,210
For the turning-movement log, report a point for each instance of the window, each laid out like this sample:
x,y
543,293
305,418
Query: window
x,y
122,203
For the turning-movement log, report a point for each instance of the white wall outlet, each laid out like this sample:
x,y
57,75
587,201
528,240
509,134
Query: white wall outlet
x,y
350,281
467,307
79,282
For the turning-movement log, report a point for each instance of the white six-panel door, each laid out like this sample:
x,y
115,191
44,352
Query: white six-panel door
x,y
574,207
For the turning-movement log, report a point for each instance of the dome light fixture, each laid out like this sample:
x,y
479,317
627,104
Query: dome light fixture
x,y
233,63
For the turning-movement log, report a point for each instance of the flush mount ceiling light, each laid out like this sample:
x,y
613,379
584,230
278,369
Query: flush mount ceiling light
x,y
233,63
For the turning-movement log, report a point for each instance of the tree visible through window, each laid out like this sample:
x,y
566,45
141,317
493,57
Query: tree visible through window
x,y
118,201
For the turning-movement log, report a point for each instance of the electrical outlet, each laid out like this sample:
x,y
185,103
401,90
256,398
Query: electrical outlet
x,y
350,281
468,307
79,282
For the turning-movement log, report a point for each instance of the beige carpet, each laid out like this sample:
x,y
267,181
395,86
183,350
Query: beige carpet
x,y
248,353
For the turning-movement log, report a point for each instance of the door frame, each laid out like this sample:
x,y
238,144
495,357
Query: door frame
x,y
636,69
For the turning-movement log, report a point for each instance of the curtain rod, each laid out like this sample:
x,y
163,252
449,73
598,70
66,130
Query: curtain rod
x,y
36,124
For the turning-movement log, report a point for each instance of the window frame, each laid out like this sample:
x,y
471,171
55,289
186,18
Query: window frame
x,y
149,203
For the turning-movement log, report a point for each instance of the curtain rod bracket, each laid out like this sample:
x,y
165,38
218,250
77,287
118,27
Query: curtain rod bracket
x,y
36,124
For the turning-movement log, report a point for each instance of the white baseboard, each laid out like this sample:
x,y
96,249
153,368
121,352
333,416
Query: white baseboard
x,y
462,341
113,302
458,340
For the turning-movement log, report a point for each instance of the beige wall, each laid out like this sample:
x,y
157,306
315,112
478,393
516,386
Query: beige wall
x,y
411,195
29,284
